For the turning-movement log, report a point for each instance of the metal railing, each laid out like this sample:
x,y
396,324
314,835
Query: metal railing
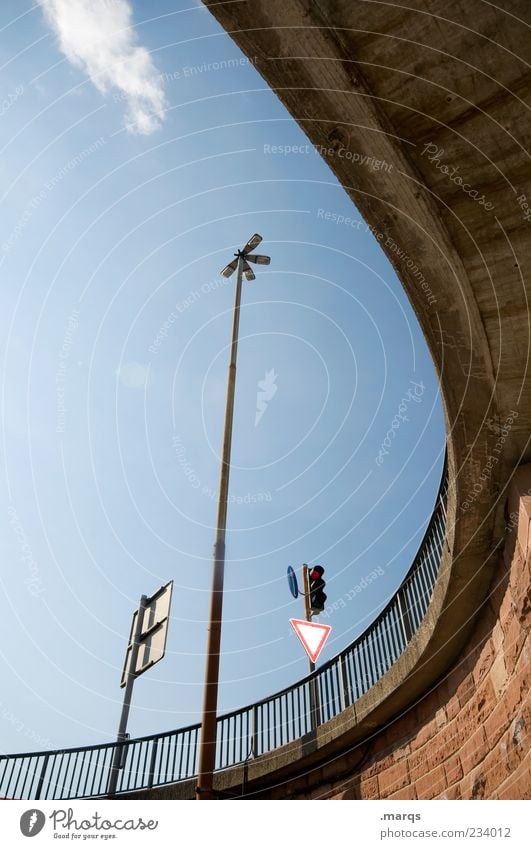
x,y
253,730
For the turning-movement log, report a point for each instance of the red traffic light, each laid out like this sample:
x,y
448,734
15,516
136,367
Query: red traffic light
x,y
317,594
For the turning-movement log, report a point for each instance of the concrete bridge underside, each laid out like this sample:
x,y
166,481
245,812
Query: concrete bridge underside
x,y
436,90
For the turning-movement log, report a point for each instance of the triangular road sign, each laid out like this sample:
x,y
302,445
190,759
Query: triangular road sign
x,y
312,635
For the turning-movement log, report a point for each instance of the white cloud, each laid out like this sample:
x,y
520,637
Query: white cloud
x,y
97,36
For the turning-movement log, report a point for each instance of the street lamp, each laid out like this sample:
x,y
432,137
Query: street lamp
x,y
207,748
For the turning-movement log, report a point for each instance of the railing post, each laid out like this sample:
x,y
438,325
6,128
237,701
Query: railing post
x,y
151,775
344,701
405,619
315,711
253,731
41,777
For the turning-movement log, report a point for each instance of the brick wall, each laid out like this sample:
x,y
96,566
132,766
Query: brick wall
x,y
469,737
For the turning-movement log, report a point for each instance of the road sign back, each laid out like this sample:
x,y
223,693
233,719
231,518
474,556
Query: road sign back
x,y
313,636
152,644
292,581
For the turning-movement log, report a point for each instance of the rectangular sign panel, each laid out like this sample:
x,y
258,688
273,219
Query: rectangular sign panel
x,y
152,645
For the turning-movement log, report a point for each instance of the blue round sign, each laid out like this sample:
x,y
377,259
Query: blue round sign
x,y
292,581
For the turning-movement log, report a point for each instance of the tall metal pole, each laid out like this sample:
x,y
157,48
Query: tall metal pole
x,y
207,748
122,728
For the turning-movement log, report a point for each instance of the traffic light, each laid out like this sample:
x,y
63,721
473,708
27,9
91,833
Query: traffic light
x,y
317,594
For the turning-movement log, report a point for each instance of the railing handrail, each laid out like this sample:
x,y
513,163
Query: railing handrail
x,y
439,501
95,746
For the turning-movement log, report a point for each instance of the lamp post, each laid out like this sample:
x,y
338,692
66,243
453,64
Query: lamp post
x,y
207,747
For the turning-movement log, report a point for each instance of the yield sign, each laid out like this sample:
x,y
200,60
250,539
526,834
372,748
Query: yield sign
x,y
312,635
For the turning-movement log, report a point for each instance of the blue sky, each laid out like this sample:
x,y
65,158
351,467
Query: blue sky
x,y
126,187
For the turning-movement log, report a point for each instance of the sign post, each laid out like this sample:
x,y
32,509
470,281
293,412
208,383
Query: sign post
x,y
312,635
147,645
314,694
130,679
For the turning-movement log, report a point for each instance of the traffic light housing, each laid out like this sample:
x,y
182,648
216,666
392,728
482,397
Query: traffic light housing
x,y
317,594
